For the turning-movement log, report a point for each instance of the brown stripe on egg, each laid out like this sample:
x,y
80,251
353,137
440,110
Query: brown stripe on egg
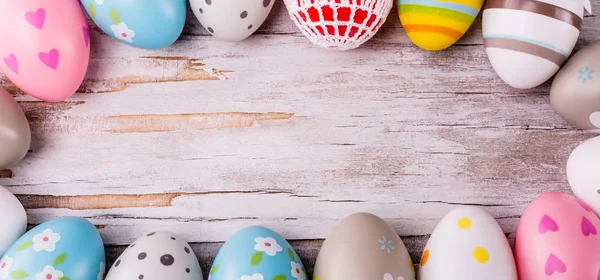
x,y
537,7
526,47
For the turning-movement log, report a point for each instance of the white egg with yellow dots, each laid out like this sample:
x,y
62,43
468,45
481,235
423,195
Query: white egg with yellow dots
x,y
468,244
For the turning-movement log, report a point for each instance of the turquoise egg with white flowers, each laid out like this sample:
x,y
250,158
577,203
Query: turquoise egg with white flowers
x,y
153,24
257,253
67,248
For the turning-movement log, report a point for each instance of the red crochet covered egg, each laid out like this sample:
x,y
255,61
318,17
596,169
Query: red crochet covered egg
x,y
339,24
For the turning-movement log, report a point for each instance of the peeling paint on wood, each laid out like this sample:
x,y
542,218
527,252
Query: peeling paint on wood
x,y
86,202
184,122
6,173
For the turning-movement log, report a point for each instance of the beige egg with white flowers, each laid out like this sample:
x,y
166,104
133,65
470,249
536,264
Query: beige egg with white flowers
x,y
363,246
575,92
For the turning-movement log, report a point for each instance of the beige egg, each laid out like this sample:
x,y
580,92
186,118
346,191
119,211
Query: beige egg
x,y
575,92
363,246
15,136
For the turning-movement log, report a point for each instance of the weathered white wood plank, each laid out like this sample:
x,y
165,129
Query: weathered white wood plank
x,y
206,137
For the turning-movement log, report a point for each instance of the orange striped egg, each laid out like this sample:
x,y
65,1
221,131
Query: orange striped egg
x,y
527,41
437,24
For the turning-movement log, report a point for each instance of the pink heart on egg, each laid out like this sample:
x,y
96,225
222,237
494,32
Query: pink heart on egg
x,y
547,224
86,36
12,63
36,18
50,59
555,265
587,227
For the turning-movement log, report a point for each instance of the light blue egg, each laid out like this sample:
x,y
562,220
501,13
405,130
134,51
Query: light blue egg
x,y
67,248
147,24
257,253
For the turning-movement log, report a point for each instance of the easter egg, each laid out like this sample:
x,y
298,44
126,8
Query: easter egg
x,y
143,24
257,253
436,25
156,256
14,220
527,41
582,172
15,135
339,25
468,244
45,46
557,238
59,249
575,94
231,20
363,246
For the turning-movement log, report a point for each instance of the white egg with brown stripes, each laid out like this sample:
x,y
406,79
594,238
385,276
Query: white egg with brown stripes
x,y
527,41
468,244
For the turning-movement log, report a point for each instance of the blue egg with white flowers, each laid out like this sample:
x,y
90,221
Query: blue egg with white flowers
x,y
257,253
143,24
66,248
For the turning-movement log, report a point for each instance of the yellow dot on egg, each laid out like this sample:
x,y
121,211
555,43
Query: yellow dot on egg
x,y
92,9
464,223
316,277
425,257
481,255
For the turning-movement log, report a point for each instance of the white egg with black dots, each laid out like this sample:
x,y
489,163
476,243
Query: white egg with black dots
x,y
157,256
231,20
583,173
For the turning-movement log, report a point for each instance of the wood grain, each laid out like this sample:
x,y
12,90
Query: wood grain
x,y
206,137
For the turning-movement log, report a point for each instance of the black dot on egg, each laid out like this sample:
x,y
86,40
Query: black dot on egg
x,y
210,30
173,238
201,11
167,260
150,234
244,14
266,3
186,250
208,2
141,276
250,26
142,256
187,270
117,263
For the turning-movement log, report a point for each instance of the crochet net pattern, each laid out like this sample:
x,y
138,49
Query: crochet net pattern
x,y
339,24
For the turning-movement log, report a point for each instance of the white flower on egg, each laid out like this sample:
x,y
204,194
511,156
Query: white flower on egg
x,y
388,276
268,245
46,241
99,2
122,32
49,273
102,271
255,276
5,265
297,271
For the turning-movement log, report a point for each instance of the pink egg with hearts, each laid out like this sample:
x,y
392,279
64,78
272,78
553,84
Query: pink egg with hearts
x,y
557,238
44,46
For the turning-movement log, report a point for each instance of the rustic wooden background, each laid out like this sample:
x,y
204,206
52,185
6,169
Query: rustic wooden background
x,y
206,137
